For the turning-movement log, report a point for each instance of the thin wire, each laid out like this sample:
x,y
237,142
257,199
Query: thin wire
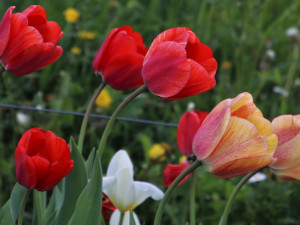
x,y
3,105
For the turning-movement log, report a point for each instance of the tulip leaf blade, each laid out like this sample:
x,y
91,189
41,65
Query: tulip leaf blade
x,y
6,214
89,162
74,183
88,206
16,198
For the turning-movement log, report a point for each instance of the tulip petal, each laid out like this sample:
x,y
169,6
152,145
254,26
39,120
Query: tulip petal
x,y
168,66
34,58
56,172
264,126
123,71
56,149
212,129
172,171
272,143
288,174
199,81
26,172
50,32
5,29
120,190
119,161
255,147
242,166
286,127
22,36
36,15
187,127
116,216
177,34
144,190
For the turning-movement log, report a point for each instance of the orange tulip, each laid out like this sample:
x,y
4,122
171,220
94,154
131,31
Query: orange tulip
x,y
287,154
235,138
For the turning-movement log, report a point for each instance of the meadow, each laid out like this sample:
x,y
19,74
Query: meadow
x,y
255,51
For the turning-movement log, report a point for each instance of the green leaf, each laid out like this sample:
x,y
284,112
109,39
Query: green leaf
x,y
5,214
16,199
131,219
54,205
74,183
89,162
88,206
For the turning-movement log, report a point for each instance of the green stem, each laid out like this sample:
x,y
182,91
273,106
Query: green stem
x,y
21,214
121,218
223,220
114,117
192,199
87,115
172,187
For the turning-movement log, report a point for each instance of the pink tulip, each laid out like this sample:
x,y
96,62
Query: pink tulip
x,y
235,138
287,154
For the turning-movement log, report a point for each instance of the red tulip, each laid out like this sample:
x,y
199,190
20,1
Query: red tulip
x,y
107,206
120,58
42,159
28,41
172,171
178,65
287,153
187,127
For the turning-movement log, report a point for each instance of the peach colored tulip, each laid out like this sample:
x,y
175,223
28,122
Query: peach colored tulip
x,y
235,138
287,154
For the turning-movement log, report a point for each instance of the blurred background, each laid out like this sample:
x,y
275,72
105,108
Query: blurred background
x,y
256,44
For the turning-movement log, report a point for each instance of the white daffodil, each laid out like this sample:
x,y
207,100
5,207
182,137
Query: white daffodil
x,y
123,191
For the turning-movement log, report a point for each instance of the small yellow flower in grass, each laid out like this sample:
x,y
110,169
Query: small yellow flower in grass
x,y
103,100
86,35
72,15
182,159
226,65
158,151
76,50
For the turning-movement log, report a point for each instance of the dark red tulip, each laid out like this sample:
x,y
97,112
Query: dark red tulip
x,y
178,65
42,159
28,41
107,206
187,127
172,171
120,58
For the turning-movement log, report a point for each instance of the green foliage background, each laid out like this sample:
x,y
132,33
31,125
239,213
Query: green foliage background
x,y
240,33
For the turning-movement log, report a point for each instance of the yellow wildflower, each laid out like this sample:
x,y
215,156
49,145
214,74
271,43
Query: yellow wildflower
x,y
72,15
226,65
86,35
103,100
182,159
76,50
157,152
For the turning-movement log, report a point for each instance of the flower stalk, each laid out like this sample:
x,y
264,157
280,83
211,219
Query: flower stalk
x,y
111,121
223,220
87,115
192,167
192,199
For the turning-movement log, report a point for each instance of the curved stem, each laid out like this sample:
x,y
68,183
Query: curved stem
x,y
172,187
114,117
87,115
21,214
192,199
223,220
121,218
